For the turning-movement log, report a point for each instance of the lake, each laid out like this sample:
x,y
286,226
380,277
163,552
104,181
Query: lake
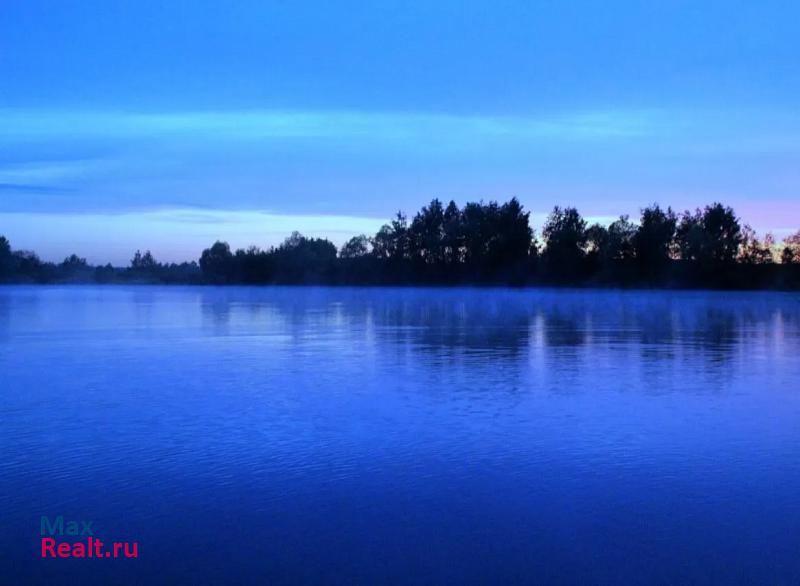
x,y
393,436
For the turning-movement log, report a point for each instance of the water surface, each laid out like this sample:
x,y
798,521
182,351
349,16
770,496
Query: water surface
x,y
332,435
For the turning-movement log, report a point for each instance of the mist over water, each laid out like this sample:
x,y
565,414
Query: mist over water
x,y
333,435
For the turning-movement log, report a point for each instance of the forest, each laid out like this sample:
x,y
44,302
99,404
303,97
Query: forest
x,y
477,244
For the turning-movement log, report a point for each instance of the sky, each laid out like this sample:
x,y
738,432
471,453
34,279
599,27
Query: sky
x,y
165,125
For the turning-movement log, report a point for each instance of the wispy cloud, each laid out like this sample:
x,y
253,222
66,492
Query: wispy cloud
x,y
335,125
42,173
367,163
32,189
273,159
263,224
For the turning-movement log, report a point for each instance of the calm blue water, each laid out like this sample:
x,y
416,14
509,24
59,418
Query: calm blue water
x,y
315,435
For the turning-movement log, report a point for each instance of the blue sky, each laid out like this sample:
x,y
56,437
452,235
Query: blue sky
x,y
167,125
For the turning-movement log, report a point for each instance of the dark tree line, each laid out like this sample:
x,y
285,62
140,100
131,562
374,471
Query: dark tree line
x,y
23,266
479,243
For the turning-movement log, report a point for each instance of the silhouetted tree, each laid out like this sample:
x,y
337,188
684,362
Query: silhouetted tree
x,y
621,235
29,267
752,251
143,262
356,247
253,265
654,239
74,261
453,234
723,233
689,236
565,236
391,241
611,250
597,240
304,260
426,234
476,230
711,236
383,243
104,273
74,269
511,234
217,263
791,249
6,259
